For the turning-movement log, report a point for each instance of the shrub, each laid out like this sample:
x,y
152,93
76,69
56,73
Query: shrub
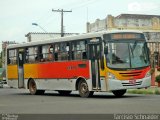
x,y
157,92
158,78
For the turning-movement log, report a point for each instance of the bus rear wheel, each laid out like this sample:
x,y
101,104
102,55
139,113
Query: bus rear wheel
x,y
119,93
64,92
33,88
83,89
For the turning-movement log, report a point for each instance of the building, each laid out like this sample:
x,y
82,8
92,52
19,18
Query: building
x,y
36,36
126,21
150,24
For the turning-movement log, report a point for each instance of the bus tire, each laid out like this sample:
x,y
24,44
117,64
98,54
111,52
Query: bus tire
x,y
40,92
33,88
83,89
64,92
119,93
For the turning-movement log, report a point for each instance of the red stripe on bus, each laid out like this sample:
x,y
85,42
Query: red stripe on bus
x,y
58,70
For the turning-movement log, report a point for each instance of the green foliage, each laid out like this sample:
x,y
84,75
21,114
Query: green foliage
x,y
158,78
141,91
157,92
0,63
1,60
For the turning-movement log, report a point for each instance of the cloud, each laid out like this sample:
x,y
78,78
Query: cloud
x,y
142,7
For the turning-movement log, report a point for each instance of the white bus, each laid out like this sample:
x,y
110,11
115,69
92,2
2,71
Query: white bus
x,y
93,62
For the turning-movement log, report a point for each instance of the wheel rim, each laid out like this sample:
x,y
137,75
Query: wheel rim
x,y
84,88
32,87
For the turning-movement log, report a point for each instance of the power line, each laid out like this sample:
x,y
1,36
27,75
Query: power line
x,y
61,11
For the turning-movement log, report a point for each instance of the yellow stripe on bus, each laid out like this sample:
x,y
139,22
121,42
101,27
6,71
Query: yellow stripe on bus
x,y
12,71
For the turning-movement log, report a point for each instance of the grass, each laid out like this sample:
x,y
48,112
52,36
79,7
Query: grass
x,y
145,91
157,91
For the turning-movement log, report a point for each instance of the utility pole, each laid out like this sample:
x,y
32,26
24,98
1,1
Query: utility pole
x,y
61,11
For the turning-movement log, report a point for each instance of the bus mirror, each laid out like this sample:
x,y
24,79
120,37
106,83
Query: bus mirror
x,y
102,62
106,50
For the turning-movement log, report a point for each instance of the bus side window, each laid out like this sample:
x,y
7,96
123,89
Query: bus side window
x,y
41,57
84,55
47,55
8,61
32,52
12,57
26,55
80,50
56,52
72,50
64,51
50,53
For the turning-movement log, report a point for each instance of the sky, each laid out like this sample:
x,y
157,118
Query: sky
x,y
17,16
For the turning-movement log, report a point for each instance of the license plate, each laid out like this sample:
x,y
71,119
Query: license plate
x,y
132,82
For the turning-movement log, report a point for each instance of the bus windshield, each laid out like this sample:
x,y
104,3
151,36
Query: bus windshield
x,y
126,54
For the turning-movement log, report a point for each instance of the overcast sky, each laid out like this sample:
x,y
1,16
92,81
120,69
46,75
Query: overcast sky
x,y
17,16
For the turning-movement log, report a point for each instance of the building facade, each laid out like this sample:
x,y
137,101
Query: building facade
x,y
149,24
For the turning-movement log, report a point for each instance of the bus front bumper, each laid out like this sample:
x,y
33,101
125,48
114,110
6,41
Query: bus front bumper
x,y
114,84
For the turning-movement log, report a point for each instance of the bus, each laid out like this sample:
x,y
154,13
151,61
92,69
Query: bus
x,y
111,61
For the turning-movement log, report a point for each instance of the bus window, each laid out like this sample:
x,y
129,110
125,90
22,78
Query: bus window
x,y
56,51
79,50
45,52
26,55
33,54
64,51
50,54
12,58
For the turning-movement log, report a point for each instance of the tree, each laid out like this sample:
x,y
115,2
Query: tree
x,y
1,59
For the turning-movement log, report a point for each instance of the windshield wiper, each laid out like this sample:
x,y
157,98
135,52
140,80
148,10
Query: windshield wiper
x,y
131,50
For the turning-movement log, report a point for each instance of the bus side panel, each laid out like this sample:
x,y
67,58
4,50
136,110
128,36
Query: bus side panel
x,y
12,72
31,71
12,75
57,70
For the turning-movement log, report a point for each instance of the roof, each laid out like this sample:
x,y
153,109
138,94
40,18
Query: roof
x,y
67,38
49,33
138,16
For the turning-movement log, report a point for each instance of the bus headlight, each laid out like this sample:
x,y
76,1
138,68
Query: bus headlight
x,y
148,74
111,76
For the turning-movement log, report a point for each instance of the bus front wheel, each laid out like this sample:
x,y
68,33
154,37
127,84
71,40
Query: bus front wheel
x,y
83,89
33,88
119,93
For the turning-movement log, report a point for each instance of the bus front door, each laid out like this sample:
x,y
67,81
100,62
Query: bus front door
x,y
21,68
94,56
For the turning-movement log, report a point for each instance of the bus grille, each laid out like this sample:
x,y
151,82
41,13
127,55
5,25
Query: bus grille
x,y
131,74
132,84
